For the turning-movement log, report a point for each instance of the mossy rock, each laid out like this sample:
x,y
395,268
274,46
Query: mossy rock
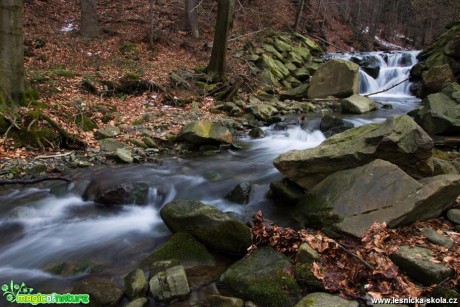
x,y
322,299
85,122
209,225
71,268
306,279
263,277
183,247
102,292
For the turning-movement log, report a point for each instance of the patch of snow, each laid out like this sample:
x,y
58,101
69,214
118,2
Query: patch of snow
x,y
69,27
387,44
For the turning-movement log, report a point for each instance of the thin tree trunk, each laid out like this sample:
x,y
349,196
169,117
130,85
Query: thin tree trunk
x,y
299,14
191,20
89,26
152,23
11,52
216,66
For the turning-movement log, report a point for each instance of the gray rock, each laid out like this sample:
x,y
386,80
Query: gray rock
x,y
398,140
263,111
454,216
212,227
149,142
111,145
124,155
135,284
169,284
358,104
140,302
263,277
336,77
106,132
300,91
435,78
306,254
257,133
276,67
331,125
240,194
436,238
442,167
122,194
321,299
288,192
377,192
206,132
138,143
416,263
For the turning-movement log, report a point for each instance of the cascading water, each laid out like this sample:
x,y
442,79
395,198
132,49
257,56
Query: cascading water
x,y
39,230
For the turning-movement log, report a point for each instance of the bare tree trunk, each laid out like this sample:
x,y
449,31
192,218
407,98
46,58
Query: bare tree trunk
x,y
12,86
191,20
216,66
89,26
152,23
299,14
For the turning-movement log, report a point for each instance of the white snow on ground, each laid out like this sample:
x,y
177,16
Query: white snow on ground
x,y
387,44
69,27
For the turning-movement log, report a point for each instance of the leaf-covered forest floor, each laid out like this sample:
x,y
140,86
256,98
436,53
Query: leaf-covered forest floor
x,y
58,60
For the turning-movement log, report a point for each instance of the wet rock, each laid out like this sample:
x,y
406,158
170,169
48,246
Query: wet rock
x,y
322,299
331,125
398,140
416,263
257,133
206,132
288,192
240,194
124,155
454,216
358,104
336,77
183,247
369,64
135,284
442,167
102,292
71,268
110,145
264,277
169,284
436,238
118,194
377,192
212,227
106,132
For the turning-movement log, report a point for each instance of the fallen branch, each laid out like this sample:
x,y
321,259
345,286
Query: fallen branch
x,y
394,85
346,51
32,181
54,156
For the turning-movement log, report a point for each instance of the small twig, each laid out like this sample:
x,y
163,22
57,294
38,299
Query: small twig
x,y
366,264
394,85
444,280
31,181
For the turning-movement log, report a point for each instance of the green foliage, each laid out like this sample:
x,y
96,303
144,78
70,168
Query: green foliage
x,y
64,73
128,47
132,75
85,122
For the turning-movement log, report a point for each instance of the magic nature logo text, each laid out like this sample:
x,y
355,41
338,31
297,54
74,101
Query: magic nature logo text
x,y
21,294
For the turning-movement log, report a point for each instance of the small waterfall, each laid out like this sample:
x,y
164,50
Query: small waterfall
x,y
387,69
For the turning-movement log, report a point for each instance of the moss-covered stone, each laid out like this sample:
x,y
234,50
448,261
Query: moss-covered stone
x,y
85,122
265,277
102,292
321,299
135,284
183,247
306,279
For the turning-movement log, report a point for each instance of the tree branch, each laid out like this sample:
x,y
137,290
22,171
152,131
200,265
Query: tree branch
x,y
394,85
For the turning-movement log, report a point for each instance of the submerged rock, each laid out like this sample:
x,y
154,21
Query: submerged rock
x,y
264,277
240,194
209,225
398,140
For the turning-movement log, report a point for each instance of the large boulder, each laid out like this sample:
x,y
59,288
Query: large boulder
x,y
118,194
358,104
264,277
336,77
206,132
398,140
263,111
212,227
440,113
378,192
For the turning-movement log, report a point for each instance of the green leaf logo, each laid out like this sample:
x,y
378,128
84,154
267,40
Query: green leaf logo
x,y
12,290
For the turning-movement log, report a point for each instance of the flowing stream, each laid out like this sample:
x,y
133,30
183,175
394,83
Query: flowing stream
x,y
39,230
